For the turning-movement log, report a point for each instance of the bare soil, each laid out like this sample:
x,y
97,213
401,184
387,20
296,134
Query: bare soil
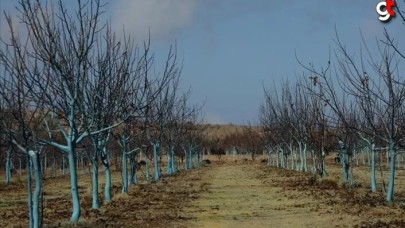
x,y
230,193
253,195
147,205
249,196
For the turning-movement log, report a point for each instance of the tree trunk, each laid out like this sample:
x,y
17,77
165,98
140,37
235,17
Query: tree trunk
x,y
345,168
285,159
8,166
343,161
107,187
190,157
173,160
29,190
53,166
278,159
156,161
186,159
292,156
372,173
107,174
19,168
281,155
124,172
363,156
170,161
73,185
304,155
323,163
44,165
313,161
390,192
169,169
134,166
147,174
94,183
270,161
38,188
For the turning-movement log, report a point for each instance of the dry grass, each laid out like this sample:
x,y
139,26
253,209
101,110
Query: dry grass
x,y
335,197
141,205
233,192
253,195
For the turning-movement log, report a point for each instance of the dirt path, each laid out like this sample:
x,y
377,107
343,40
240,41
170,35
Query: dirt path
x,y
227,195
243,196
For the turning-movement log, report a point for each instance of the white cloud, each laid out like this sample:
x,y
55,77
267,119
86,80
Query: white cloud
x,y
164,18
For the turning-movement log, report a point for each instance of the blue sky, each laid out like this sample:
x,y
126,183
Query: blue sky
x,y
231,48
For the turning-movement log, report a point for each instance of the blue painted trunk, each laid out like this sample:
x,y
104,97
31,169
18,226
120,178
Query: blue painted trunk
x,y
277,159
304,154
323,166
29,183
390,192
156,161
190,157
169,170
124,169
173,163
301,168
372,173
342,155
19,168
107,187
292,155
107,175
134,177
345,170
313,161
171,167
147,174
186,159
38,188
281,154
124,174
8,169
73,186
94,184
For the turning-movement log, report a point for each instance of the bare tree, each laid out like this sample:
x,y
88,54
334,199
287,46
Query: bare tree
x,y
160,101
114,93
379,95
178,116
252,140
68,46
22,106
191,136
304,110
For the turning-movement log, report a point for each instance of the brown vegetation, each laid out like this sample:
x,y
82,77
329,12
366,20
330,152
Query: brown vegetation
x,y
206,197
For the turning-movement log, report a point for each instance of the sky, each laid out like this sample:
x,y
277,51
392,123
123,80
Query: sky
x,y
231,49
